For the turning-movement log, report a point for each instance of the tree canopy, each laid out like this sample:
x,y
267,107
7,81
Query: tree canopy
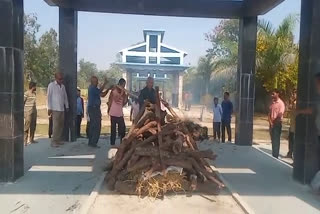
x,y
41,54
276,61
42,58
88,69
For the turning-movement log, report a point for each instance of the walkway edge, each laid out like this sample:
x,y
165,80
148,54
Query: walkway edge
x,y
243,205
279,160
93,195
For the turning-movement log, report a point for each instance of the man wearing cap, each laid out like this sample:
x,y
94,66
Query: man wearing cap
x,y
80,112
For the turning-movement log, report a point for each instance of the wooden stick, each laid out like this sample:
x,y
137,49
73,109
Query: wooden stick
x,y
174,114
207,174
158,109
127,92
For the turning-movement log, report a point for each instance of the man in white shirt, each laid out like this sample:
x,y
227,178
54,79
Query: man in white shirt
x,y
57,103
217,114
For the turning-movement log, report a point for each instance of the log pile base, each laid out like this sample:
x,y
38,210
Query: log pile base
x,y
156,158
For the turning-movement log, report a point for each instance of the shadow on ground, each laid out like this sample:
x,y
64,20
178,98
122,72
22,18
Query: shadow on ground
x,y
58,180
266,184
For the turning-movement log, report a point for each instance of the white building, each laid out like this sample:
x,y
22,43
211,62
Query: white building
x,y
154,58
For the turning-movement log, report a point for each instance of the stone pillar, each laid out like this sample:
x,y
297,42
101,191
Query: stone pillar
x,y
11,90
175,89
68,36
245,81
129,81
180,90
125,76
306,146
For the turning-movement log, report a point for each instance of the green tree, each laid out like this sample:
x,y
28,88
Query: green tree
x,y
48,57
31,28
114,73
277,56
222,57
86,71
41,55
224,39
206,66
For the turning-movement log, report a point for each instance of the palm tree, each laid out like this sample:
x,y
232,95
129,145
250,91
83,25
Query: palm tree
x,y
206,66
276,51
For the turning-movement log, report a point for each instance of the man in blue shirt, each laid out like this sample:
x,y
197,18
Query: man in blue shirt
x,y
80,112
94,111
227,110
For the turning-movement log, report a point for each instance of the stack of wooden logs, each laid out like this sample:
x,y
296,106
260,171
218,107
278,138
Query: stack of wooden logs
x,y
152,145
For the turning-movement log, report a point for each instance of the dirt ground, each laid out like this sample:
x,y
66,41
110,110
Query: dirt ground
x,y
197,203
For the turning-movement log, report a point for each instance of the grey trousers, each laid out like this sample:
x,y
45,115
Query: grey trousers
x,y
30,123
58,125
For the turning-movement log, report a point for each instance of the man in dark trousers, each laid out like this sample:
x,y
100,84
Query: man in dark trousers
x,y
277,109
80,112
227,110
117,100
94,111
148,93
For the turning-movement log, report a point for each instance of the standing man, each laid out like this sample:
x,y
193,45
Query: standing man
x,y
189,101
30,113
148,93
50,126
80,112
292,128
94,111
186,101
117,100
277,109
57,104
227,110
217,114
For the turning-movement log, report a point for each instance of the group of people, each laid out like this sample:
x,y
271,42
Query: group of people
x,y
222,114
58,105
117,99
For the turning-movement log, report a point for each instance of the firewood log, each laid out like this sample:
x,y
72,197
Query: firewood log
x,y
109,166
158,115
143,163
207,174
184,163
133,160
127,140
193,182
146,115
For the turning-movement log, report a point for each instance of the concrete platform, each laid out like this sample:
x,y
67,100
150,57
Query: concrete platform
x,y
111,202
56,180
262,182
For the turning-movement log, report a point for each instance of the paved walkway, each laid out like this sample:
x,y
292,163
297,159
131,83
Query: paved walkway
x,y
263,182
56,180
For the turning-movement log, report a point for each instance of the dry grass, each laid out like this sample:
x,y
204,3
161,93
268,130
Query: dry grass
x,y
158,186
41,96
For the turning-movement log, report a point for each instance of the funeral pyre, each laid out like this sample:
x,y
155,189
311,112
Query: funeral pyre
x,y
158,157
